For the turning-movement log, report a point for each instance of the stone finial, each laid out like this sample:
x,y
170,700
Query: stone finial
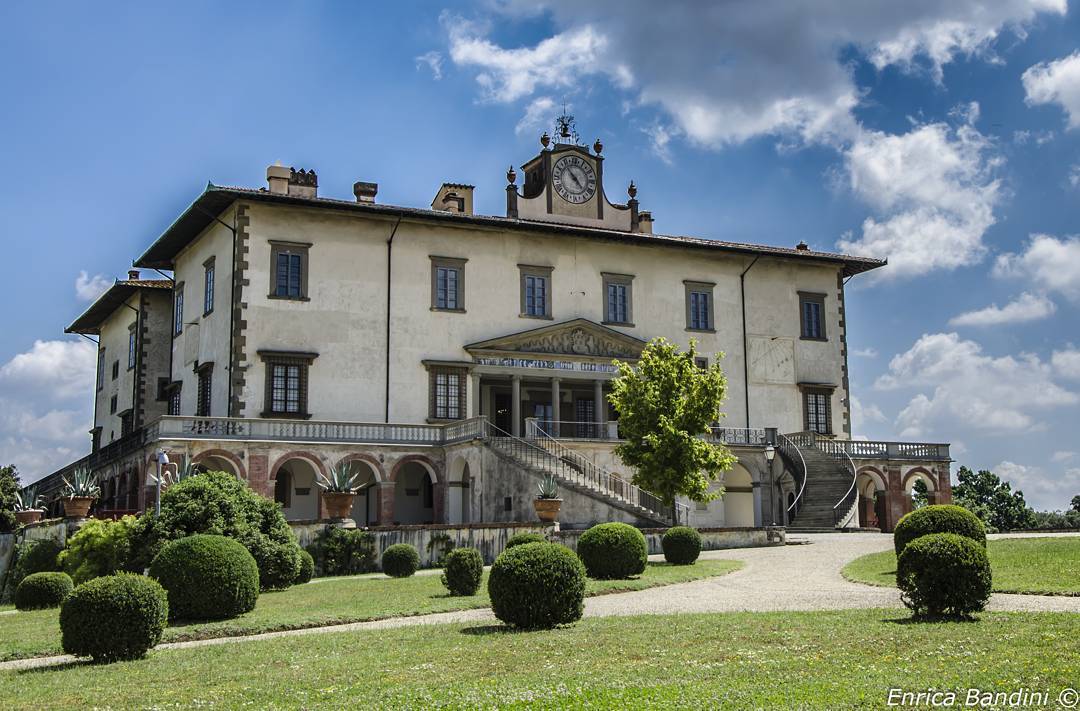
x,y
632,190
802,246
598,146
545,140
511,175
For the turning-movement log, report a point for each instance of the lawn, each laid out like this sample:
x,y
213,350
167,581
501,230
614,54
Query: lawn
x,y
333,601
843,659
1041,566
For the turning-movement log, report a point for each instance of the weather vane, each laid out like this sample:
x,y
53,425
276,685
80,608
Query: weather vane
x,y
565,129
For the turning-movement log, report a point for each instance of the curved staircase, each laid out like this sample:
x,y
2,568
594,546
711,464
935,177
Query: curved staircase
x,y
828,498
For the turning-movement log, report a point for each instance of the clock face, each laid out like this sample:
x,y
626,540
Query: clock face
x,y
574,179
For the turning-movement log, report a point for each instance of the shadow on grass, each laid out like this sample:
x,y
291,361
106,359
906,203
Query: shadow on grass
x,y
61,666
486,630
930,619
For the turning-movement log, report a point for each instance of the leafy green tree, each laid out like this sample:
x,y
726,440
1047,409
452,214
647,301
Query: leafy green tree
x,y
665,403
99,548
920,495
992,500
1075,505
9,485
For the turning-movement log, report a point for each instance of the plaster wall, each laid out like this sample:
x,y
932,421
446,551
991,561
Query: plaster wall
x,y
113,339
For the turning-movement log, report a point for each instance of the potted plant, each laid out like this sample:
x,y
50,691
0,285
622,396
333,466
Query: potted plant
x,y
79,493
28,505
548,503
339,490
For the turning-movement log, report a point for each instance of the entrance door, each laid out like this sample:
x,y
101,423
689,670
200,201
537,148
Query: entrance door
x,y
584,418
543,412
504,411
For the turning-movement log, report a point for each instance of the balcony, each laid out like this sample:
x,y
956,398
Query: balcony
x,y
312,431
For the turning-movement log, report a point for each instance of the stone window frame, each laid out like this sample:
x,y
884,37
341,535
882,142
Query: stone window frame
x,y
627,280
174,403
826,391
133,345
204,397
116,369
301,249
178,309
112,405
127,422
300,359
101,369
701,362
707,287
209,282
809,297
535,270
456,263
434,371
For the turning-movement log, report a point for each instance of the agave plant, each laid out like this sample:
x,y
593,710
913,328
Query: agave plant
x,y
28,499
83,484
342,480
549,488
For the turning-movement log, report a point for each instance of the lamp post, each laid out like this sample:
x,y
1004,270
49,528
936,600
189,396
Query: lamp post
x,y
770,454
162,462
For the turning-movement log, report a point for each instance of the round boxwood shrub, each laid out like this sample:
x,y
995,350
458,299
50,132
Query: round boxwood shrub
x,y
278,562
537,586
33,557
613,551
114,617
207,577
944,574
307,568
521,539
463,571
682,545
400,560
938,519
40,590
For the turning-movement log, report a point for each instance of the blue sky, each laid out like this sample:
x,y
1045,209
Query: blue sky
x,y
946,138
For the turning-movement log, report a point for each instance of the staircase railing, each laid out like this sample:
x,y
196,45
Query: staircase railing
x,y
576,469
838,450
791,452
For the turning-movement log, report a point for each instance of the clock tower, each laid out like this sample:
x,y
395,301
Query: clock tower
x,y
565,184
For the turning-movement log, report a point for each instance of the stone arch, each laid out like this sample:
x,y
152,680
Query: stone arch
x,y
459,491
295,478
873,497
370,474
220,460
916,473
738,497
786,490
419,491
432,469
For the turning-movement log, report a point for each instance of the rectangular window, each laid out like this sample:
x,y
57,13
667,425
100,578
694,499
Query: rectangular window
x,y
447,394
702,363
204,395
289,271
178,309
812,316
126,423
174,400
448,284
535,291
618,298
699,306
286,384
115,369
818,411
208,286
133,345
112,405
101,369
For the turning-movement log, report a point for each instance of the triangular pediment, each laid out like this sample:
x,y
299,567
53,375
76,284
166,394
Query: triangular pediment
x,y
580,338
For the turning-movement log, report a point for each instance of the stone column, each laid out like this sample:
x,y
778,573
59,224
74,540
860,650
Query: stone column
x,y
555,402
759,514
474,394
384,490
515,428
599,409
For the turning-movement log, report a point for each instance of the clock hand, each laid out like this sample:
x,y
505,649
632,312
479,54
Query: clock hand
x,y
574,178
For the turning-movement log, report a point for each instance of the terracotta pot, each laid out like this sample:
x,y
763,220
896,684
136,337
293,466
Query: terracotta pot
x,y
547,509
77,506
338,504
28,516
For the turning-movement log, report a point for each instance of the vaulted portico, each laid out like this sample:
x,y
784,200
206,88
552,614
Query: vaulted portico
x,y
556,374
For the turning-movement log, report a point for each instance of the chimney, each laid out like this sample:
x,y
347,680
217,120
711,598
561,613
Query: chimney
x,y
277,177
645,222
802,247
365,192
454,197
133,274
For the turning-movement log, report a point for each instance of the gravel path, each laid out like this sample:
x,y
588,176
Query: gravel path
x,y
794,577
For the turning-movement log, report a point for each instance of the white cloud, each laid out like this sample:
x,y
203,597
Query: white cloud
x,y
659,138
862,414
1062,456
539,113
963,388
1067,363
1056,82
433,61
88,288
1024,136
1027,307
1074,175
936,191
868,352
46,406
1042,490
1050,263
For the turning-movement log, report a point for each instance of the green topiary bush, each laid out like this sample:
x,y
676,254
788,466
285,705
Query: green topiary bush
x,y
307,568
400,560
938,519
33,557
681,544
464,570
340,551
207,578
114,617
537,586
613,551
944,574
278,562
520,539
98,548
38,591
